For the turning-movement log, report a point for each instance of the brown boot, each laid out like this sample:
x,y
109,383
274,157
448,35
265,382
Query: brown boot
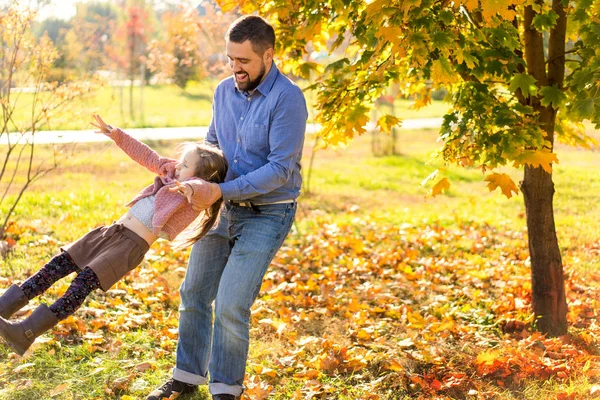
x,y
12,301
20,335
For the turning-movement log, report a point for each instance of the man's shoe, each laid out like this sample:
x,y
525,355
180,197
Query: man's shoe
x,y
172,389
224,396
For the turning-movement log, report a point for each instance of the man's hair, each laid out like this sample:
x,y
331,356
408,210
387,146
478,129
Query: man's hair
x,y
255,29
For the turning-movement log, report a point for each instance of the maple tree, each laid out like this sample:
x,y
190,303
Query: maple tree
x,y
518,77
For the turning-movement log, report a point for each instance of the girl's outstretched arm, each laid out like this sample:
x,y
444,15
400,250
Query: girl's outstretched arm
x,y
136,150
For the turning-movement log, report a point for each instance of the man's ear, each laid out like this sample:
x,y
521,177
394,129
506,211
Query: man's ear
x,y
268,56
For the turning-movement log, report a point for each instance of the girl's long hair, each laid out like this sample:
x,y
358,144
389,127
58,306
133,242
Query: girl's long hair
x,y
212,167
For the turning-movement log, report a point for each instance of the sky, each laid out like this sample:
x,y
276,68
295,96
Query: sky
x,y
63,9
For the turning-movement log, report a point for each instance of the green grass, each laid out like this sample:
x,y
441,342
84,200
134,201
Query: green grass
x,y
170,106
348,186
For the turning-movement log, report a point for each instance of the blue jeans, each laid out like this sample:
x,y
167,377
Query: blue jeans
x,y
226,267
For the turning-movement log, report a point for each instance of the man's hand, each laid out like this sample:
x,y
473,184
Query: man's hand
x,y
192,190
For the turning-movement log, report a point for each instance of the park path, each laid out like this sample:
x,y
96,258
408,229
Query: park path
x,y
184,133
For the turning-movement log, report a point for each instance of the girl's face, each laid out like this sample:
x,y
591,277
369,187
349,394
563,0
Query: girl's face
x,y
187,165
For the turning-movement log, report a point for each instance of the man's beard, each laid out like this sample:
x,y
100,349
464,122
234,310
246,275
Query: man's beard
x,y
251,84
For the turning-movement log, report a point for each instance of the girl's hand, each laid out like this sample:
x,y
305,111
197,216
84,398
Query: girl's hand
x,y
101,125
183,189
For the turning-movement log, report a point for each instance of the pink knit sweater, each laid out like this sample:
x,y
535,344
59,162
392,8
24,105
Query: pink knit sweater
x,y
172,212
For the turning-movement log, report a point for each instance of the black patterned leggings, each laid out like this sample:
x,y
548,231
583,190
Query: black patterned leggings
x,y
60,266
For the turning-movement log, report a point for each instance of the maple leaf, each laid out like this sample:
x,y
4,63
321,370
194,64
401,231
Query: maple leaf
x,y
525,82
536,158
468,58
552,95
387,122
439,187
389,33
502,181
487,357
583,108
441,71
492,7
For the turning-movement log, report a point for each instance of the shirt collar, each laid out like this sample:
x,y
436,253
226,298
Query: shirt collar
x,y
267,84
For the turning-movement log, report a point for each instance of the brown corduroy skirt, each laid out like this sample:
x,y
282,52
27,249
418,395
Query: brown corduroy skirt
x,y
110,251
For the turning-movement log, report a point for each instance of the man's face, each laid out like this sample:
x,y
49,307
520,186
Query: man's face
x,y
248,67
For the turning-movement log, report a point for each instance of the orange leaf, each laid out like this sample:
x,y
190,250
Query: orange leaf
x,y
59,389
308,374
394,365
502,181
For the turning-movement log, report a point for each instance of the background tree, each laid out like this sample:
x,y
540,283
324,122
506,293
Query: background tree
x,y
177,56
513,85
25,63
91,34
193,43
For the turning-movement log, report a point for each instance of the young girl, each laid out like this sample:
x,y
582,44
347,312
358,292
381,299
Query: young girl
x,y
103,256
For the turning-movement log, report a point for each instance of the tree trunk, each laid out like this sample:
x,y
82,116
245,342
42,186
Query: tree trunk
x,y
547,282
547,279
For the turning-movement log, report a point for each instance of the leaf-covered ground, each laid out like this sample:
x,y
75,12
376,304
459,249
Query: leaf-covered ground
x,y
375,294
361,310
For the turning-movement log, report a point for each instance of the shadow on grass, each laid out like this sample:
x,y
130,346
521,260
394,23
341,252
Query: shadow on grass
x,y
196,96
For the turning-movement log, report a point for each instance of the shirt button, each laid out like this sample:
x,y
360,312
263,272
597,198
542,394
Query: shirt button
x,y
238,140
241,118
249,98
235,161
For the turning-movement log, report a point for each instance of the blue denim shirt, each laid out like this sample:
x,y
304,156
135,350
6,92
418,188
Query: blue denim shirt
x,y
261,136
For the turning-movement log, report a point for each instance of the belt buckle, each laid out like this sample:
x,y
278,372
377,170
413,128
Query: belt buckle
x,y
249,205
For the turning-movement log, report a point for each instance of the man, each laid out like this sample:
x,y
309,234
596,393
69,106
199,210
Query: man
x,y
259,121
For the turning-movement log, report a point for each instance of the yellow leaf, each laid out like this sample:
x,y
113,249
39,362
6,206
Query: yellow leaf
x,y
387,122
227,5
439,187
468,4
441,71
502,181
421,102
536,158
416,320
374,9
487,357
389,33
394,365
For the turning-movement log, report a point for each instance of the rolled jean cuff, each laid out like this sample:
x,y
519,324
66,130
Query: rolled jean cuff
x,y
223,388
188,377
